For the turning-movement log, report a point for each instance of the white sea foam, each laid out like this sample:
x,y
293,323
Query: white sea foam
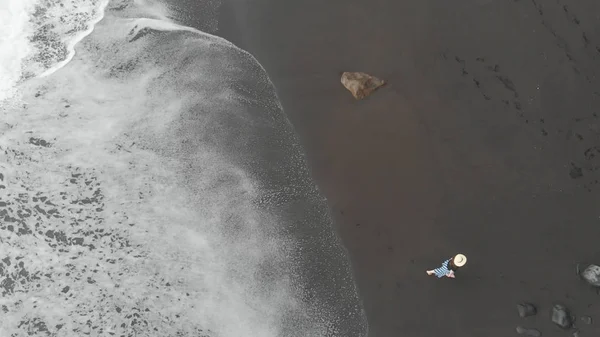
x,y
14,43
122,212
37,36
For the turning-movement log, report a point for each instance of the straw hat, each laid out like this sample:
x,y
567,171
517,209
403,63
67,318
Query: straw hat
x,y
459,260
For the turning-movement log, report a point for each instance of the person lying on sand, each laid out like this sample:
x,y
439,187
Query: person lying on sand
x,y
449,267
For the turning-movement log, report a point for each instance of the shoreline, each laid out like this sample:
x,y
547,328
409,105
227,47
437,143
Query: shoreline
x,y
467,149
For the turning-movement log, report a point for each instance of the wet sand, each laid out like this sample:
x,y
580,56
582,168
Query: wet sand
x,y
486,141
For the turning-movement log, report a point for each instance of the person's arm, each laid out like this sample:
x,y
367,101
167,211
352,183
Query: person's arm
x,y
450,274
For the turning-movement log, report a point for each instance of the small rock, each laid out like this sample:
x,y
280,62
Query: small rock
x,y
586,319
591,275
526,309
361,85
528,332
561,316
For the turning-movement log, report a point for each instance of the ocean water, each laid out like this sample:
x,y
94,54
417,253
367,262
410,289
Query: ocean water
x,y
150,184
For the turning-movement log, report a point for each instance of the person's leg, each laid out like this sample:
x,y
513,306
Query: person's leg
x,y
430,272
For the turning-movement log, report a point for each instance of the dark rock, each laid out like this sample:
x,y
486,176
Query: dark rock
x,y
586,319
561,316
526,309
575,172
39,142
591,275
528,332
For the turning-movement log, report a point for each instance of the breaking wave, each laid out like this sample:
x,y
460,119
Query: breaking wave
x,y
151,186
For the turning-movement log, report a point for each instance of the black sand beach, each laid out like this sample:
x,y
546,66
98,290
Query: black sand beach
x,y
486,141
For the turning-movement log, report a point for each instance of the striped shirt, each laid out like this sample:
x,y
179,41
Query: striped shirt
x,y
443,270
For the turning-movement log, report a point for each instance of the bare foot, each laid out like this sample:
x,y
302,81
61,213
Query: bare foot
x,y
429,272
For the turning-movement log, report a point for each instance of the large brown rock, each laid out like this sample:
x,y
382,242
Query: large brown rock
x,y
361,85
